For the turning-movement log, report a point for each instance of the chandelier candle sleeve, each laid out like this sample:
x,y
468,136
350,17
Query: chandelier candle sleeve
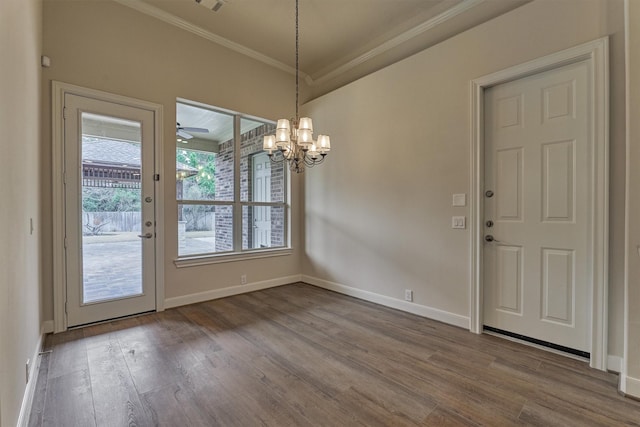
x,y
293,140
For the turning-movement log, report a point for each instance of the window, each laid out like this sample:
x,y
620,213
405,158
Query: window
x,y
231,198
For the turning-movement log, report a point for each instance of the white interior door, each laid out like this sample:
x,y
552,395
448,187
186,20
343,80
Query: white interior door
x,y
537,163
261,193
109,210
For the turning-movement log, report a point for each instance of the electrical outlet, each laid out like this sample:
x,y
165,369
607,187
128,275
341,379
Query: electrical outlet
x,y
243,279
408,295
27,369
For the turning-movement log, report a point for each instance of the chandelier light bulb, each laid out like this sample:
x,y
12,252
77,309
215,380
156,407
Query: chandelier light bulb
x,y
324,143
283,124
269,143
306,123
282,137
305,137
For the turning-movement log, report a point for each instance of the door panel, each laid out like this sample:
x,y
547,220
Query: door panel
x,y
509,278
509,184
109,210
262,193
558,197
536,164
558,296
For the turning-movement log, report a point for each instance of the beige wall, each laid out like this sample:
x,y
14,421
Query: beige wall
x,y
20,45
632,385
378,213
110,47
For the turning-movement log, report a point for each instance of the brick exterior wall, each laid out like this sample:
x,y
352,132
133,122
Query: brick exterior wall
x,y
250,144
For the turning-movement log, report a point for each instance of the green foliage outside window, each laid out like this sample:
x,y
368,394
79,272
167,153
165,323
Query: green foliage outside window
x,y
204,180
96,199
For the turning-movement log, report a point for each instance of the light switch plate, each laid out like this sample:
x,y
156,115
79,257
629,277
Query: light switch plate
x,y
458,222
460,199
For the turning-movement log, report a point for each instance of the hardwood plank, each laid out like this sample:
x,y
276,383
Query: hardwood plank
x,y
303,356
363,369
303,398
69,353
116,400
69,400
38,405
444,418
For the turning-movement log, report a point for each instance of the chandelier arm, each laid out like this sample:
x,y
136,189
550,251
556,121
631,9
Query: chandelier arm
x,y
311,162
275,159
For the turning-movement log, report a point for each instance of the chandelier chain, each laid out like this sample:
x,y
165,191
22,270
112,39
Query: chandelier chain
x,y
297,64
293,140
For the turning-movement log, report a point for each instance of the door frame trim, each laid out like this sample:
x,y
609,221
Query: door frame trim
x,y
58,92
596,55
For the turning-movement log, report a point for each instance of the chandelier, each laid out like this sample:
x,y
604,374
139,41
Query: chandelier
x,y
293,140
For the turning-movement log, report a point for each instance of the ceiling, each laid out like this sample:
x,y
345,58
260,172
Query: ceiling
x,y
340,40
336,36
218,123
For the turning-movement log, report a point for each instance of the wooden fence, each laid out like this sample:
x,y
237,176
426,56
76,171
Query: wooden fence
x,y
94,223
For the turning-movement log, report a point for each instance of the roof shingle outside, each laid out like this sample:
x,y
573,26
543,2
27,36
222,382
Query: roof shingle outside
x,y
117,153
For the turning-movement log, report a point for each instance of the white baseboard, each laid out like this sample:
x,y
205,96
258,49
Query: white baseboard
x,y
229,291
614,363
630,386
420,310
27,399
47,327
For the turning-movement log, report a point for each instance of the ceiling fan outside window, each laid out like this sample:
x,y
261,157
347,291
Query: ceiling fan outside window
x,y
183,132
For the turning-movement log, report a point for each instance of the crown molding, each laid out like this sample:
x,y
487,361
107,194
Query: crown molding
x,y
160,14
335,69
414,32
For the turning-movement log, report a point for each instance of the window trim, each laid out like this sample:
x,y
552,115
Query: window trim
x,y
224,257
238,253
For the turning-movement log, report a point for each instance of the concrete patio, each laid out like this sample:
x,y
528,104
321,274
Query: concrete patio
x,y
112,263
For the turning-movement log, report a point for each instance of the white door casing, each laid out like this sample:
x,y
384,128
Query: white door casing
x,y
595,56
152,114
536,164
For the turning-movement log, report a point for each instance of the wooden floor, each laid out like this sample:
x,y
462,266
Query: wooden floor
x,y
298,355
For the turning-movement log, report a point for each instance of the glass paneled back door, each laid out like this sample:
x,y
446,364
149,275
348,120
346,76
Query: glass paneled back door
x,y
110,216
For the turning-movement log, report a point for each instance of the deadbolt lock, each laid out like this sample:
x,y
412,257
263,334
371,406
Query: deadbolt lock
x,y
489,223
148,199
148,223
489,193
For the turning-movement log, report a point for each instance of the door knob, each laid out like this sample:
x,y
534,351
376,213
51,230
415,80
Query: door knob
x,y
489,238
145,236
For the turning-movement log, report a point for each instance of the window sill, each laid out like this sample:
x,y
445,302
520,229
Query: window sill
x,y
192,261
